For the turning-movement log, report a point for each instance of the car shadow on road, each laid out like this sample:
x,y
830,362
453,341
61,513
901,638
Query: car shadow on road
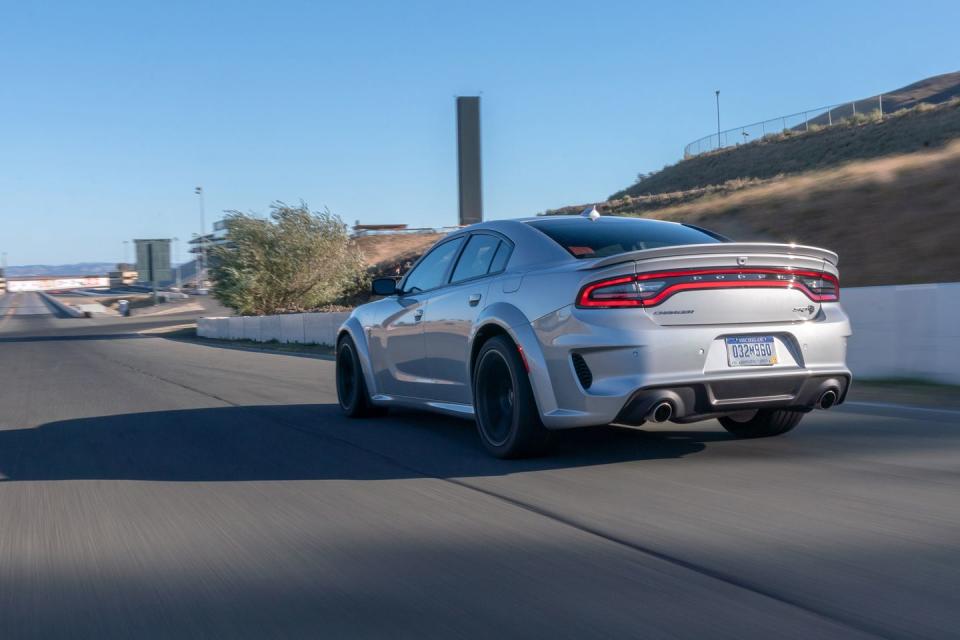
x,y
300,442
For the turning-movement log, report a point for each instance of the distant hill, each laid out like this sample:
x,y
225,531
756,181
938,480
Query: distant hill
x,y
913,122
76,269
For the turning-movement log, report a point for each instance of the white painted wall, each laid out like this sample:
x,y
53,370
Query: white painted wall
x,y
907,331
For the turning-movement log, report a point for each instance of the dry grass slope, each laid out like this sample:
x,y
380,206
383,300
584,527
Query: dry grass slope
x,y
893,220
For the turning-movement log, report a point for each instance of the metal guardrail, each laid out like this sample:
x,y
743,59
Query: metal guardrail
x,y
796,122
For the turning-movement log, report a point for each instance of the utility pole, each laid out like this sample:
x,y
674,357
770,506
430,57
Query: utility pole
x,y
717,93
202,256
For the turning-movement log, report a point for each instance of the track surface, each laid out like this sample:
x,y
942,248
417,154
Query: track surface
x,y
24,304
154,488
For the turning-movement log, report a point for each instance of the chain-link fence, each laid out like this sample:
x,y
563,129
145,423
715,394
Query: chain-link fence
x,y
812,119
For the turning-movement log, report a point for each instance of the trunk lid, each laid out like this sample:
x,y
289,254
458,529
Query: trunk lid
x,y
732,283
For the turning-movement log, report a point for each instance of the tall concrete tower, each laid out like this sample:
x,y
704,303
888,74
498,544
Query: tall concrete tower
x,y
468,159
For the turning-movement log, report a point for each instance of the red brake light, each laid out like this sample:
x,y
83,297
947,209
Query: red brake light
x,y
650,289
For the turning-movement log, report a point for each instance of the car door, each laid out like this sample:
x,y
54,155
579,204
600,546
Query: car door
x,y
400,355
453,310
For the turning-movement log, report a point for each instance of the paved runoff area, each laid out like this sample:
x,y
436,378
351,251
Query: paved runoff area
x,y
152,487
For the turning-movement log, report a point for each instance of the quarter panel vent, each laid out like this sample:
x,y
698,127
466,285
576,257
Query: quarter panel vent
x,y
584,375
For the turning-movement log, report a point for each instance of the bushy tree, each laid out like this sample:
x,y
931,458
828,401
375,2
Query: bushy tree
x,y
294,260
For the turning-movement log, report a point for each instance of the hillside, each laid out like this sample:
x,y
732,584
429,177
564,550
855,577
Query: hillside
x,y
892,220
386,252
923,127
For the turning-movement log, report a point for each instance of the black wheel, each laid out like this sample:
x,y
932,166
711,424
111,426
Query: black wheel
x,y
507,416
764,423
351,387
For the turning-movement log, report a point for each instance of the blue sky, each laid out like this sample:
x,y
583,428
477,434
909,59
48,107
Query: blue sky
x,y
112,112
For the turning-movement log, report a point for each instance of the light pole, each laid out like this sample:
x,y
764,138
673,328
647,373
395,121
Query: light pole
x,y
717,92
202,256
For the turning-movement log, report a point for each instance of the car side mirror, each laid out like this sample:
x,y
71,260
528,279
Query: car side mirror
x,y
384,286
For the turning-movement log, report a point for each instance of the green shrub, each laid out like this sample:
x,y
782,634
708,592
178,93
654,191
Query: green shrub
x,y
295,260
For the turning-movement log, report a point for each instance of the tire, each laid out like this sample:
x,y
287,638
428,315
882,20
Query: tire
x,y
764,423
351,387
508,420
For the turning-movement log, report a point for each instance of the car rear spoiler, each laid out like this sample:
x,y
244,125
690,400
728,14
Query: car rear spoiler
x,y
718,248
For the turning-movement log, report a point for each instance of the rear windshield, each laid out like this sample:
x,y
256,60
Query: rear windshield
x,y
610,236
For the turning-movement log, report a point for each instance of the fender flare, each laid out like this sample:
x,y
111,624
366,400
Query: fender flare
x,y
353,328
516,325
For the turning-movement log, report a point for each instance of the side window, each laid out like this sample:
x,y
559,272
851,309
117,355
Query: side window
x,y
500,258
476,257
430,272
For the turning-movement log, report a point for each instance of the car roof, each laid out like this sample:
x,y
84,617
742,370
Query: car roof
x,y
533,247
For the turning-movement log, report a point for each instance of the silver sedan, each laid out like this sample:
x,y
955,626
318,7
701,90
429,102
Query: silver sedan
x,y
547,323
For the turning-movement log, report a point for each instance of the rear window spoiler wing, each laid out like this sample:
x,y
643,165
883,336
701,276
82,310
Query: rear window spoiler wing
x,y
723,248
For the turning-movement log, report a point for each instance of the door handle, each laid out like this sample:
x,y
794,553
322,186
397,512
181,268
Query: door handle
x,y
418,315
474,300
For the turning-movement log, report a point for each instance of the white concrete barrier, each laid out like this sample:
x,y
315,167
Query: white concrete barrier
x,y
251,328
63,307
904,331
270,329
291,328
300,328
235,328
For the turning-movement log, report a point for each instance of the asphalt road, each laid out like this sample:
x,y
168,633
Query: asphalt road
x,y
24,304
156,488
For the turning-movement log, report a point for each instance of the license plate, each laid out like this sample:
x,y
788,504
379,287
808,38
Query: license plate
x,y
751,351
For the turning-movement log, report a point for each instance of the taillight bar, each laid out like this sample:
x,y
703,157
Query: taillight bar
x,y
652,288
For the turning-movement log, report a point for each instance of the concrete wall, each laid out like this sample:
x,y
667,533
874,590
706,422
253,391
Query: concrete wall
x,y
302,328
909,331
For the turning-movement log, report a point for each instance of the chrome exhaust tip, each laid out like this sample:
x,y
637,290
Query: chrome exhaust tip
x,y
827,400
661,412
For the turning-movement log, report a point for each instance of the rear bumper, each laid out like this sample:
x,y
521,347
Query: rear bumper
x,y
701,400
634,363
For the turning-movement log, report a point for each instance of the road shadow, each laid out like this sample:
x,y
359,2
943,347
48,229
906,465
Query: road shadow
x,y
319,352
73,338
300,442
